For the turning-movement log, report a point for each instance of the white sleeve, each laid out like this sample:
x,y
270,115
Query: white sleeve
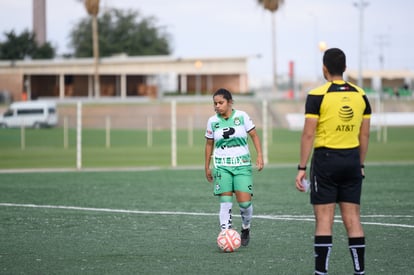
x,y
248,122
209,131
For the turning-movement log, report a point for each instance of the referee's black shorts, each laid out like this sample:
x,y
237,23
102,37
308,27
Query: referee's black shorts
x,y
335,176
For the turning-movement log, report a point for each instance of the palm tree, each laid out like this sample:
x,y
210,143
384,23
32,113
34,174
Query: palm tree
x,y
92,7
272,6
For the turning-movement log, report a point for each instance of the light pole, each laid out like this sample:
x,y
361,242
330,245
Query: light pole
x,y
360,5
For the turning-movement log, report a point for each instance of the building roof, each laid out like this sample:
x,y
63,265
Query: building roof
x,y
123,64
381,74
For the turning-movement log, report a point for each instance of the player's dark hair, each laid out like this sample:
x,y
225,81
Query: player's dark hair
x,y
335,61
225,93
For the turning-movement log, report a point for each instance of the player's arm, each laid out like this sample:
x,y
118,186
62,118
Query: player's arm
x,y
257,145
208,152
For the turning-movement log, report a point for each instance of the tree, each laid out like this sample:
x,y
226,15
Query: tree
x,y
272,6
46,51
18,47
120,32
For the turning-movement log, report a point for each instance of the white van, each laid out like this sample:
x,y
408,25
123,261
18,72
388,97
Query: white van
x,y
34,114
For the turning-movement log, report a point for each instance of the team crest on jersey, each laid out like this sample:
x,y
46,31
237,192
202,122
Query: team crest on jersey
x,y
237,121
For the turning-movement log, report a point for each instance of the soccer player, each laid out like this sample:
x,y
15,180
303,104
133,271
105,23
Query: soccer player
x,y
226,145
337,122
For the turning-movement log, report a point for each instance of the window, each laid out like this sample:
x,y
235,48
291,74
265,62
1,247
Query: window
x,y
8,113
29,111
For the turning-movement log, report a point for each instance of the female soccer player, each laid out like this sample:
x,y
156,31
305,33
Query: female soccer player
x,y
226,145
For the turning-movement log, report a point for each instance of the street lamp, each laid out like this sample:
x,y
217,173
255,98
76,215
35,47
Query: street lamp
x,y
322,46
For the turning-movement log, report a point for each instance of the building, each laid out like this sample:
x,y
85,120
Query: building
x,y
122,76
391,82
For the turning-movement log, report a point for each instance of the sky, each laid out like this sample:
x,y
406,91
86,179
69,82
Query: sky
x,y
232,28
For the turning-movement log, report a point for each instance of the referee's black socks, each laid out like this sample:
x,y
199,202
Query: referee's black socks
x,y
357,249
322,247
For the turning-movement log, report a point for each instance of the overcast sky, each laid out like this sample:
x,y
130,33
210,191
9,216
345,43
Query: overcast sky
x,y
207,28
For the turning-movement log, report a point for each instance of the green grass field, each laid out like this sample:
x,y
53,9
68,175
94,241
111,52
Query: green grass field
x,y
166,222
127,212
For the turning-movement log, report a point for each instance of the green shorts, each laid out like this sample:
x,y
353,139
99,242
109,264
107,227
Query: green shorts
x,y
233,178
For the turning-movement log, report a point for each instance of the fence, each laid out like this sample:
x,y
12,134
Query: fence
x,y
190,117
179,121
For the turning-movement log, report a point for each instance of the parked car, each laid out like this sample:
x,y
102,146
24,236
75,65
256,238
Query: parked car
x,y
36,114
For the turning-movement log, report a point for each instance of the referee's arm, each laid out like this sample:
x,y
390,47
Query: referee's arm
x,y
364,139
307,138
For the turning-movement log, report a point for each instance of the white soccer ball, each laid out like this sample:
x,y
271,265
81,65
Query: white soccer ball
x,y
228,240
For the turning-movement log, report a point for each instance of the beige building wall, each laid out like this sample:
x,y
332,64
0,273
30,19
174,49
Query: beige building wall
x,y
12,83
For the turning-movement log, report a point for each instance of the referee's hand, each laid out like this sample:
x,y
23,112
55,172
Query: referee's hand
x,y
298,182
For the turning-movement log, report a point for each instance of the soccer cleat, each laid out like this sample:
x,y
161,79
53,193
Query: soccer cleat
x,y
245,236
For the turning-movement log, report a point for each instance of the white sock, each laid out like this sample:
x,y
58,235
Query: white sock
x,y
225,215
246,215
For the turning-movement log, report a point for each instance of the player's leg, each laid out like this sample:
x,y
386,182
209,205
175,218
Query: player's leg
x,y
223,187
225,215
246,208
246,213
243,185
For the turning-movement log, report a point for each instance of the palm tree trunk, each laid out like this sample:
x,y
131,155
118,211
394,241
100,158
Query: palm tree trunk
x,y
274,75
96,55
92,7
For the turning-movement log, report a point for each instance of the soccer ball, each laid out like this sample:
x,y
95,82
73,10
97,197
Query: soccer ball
x,y
228,240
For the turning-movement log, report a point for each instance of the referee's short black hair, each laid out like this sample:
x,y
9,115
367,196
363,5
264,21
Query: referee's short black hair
x,y
334,60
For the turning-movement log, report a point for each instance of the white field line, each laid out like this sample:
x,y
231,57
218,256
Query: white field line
x,y
267,217
156,168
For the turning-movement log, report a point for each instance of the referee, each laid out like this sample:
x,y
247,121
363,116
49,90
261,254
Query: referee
x,y
337,121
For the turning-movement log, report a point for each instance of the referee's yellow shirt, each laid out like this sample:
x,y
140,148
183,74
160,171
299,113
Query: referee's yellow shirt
x,y
340,108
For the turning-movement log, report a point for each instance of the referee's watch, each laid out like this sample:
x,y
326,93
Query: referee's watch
x,y
301,168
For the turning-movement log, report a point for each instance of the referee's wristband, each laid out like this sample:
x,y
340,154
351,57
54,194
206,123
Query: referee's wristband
x,y
301,168
362,166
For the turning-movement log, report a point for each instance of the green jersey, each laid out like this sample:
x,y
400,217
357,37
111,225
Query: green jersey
x,y
230,138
